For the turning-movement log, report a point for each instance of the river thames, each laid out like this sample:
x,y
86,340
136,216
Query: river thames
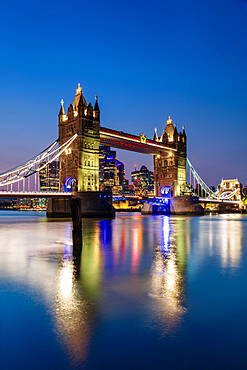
x,y
160,292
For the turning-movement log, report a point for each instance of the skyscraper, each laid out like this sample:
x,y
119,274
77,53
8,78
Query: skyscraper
x,y
143,180
49,177
111,171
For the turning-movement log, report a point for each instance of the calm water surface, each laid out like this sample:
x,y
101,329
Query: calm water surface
x,y
147,292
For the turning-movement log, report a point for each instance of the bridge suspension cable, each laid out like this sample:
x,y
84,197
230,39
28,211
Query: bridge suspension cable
x,y
200,182
204,187
35,164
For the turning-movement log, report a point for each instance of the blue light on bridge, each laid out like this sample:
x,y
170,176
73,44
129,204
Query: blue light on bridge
x,y
166,191
70,184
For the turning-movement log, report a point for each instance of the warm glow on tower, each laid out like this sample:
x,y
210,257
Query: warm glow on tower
x,y
79,89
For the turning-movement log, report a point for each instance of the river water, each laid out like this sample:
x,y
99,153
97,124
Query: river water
x,y
147,292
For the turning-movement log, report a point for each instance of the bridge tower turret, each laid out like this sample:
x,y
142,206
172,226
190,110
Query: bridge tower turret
x,y
79,165
170,167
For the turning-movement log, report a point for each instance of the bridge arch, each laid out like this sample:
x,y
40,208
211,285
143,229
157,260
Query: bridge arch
x,y
70,184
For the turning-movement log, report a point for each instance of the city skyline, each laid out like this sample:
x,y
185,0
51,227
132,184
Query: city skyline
x,y
145,62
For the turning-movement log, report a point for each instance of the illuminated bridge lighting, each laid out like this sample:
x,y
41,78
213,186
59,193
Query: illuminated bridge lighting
x,y
35,164
117,139
33,194
131,142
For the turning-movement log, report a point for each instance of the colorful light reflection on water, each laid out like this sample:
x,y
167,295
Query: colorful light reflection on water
x,y
141,290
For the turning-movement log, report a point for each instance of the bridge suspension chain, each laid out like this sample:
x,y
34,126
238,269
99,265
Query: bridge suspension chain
x,y
206,189
35,164
200,182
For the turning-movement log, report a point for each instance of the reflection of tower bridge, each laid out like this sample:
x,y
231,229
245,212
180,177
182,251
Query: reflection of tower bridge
x,y
77,148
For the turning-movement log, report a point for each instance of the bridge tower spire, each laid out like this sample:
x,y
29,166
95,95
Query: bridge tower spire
x,y
170,167
79,165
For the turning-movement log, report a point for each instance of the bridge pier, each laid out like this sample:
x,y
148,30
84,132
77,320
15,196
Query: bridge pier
x,y
95,204
184,205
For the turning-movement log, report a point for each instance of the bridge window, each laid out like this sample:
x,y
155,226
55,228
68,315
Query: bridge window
x,y
88,163
165,163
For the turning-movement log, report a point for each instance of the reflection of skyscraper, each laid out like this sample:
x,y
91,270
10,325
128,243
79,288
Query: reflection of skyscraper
x,y
49,177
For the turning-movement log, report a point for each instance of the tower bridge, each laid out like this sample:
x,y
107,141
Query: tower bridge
x,y
81,162
80,134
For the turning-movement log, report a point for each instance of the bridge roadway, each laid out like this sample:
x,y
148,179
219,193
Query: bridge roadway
x,y
201,200
33,194
218,201
47,194
123,140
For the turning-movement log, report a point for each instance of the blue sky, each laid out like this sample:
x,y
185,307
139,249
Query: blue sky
x,y
146,61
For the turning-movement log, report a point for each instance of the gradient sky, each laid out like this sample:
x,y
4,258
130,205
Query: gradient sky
x,y
145,59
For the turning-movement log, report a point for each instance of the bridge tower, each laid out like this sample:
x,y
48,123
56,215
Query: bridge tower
x,y
79,165
170,167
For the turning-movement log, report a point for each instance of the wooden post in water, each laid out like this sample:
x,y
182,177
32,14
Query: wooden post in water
x,y
76,233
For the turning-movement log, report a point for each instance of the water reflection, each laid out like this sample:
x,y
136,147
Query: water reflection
x,y
147,260
168,274
221,237
136,240
122,246
71,314
231,241
78,289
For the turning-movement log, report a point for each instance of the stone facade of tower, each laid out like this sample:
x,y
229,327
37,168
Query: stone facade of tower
x,y
170,167
80,162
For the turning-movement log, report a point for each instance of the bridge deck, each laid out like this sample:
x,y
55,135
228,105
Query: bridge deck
x,y
33,194
225,201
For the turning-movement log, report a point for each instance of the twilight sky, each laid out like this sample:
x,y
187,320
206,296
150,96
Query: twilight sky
x,y
145,59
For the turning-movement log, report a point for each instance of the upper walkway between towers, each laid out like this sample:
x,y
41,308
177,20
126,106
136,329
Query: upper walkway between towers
x,y
141,144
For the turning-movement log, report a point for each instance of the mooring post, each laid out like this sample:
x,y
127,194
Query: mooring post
x,y
76,232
